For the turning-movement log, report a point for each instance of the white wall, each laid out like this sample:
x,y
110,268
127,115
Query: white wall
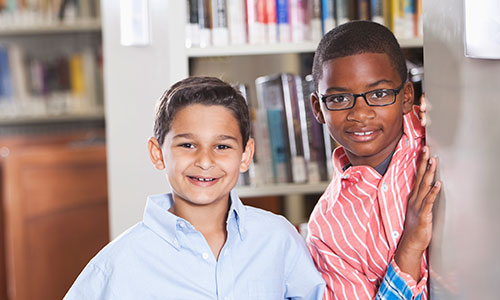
x,y
135,77
465,133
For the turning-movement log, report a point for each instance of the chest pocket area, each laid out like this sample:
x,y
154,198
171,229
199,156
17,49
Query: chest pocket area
x,y
266,289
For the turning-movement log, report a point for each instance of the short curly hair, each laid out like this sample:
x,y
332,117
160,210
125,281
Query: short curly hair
x,y
357,37
200,90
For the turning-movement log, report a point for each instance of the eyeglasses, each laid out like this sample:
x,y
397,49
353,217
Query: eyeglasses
x,y
381,97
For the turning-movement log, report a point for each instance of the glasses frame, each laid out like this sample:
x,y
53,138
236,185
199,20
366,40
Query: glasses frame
x,y
395,91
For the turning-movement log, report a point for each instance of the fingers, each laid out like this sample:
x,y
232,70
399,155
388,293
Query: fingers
x,y
429,200
427,182
422,166
423,109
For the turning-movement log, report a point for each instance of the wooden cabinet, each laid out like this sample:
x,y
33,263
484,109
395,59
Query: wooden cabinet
x,y
54,211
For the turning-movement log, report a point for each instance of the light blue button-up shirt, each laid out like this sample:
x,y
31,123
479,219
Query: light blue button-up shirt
x,y
165,257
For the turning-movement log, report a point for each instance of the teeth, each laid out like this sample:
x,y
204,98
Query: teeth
x,y
204,179
363,133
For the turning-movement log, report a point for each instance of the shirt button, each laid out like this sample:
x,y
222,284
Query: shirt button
x,y
176,243
182,225
395,234
205,255
384,187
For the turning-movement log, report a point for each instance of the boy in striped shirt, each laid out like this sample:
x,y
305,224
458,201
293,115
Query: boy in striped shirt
x,y
355,233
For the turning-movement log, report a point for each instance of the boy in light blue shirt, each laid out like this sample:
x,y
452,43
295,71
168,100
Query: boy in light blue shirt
x,y
200,242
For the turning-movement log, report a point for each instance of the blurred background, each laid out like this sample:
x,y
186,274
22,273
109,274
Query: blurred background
x,y
79,81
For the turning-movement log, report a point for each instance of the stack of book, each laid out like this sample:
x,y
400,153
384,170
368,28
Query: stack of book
x,y
33,86
291,146
236,22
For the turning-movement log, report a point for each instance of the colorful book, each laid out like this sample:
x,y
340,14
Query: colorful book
x,y
271,22
256,30
377,11
282,18
270,99
297,20
328,15
362,10
6,92
408,19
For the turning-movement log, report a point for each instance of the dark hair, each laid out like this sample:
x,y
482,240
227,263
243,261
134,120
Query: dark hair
x,y
357,37
200,90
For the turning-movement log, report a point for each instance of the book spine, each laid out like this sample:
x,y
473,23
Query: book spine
x,y
204,21
236,22
293,126
192,24
255,17
343,10
282,19
220,32
315,20
408,18
297,20
419,28
271,22
5,76
376,8
328,15
363,10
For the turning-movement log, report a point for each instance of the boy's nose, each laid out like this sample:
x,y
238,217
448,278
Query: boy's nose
x,y
204,160
361,110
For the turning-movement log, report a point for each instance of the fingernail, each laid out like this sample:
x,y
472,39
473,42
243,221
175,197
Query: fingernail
x,y
424,149
437,184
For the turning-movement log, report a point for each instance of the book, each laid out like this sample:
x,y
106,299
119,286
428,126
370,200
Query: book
x,y
297,20
312,135
377,11
292,90
408,22
220,32
270,102
362,10
255,21
236,21
282,19
192,24
328,15
6,92
271,22
204,22
343,11
315,19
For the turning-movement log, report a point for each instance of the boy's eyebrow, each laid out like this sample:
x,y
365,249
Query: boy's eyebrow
x,y
220,137
371,85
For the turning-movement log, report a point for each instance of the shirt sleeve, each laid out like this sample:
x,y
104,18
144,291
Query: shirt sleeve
x,y
302,280
400,285
92,283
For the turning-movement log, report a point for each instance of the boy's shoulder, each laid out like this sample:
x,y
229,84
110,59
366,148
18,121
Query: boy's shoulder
x,y
260,221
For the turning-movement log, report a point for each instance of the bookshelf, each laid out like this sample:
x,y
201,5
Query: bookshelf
x,y
129,112
53,66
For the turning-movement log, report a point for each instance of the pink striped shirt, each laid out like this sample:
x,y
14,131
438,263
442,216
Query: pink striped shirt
x,y
356,225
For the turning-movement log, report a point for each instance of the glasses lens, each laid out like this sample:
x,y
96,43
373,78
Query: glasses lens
x,y
339,101
380,97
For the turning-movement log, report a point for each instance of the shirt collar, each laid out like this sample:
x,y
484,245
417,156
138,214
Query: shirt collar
x,y
167,225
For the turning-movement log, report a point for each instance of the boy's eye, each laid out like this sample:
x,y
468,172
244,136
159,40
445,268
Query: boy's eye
x,y
222,147
379,94
187,145
337,99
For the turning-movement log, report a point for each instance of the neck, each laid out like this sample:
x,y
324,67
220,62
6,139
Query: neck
x,y
209,220
374,160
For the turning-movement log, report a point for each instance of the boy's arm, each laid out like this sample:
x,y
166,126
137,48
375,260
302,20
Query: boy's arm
x,y
91,284
407,268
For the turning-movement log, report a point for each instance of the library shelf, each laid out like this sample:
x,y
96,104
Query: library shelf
x,y
89,25
281,189
51,118
277,48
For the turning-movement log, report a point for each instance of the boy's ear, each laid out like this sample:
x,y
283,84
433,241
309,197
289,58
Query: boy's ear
x,y
155,153
316,107
408,97
246,158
